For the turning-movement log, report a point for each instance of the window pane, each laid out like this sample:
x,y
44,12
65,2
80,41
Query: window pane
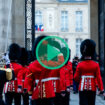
x,y
38,21
38,17
64,20
79,21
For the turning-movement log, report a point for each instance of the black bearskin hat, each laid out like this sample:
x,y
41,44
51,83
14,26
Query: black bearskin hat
x,y
87,47
14,52
24,57
37,40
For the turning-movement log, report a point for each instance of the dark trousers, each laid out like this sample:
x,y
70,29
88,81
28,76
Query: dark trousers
x,y
75,86
47,101
66,99
25,99
87,97
59,100
12,95
1,102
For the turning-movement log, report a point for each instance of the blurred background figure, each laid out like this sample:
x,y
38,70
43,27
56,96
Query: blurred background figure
x,y
74,65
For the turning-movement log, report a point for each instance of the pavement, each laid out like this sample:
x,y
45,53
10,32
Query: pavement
x,y
74,99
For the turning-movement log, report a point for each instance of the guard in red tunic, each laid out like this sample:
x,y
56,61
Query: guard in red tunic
x,y
66,82
42,86
41,80
10,88
86,74
22,85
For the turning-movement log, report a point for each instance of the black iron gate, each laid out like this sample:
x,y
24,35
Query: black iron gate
x,y
29,23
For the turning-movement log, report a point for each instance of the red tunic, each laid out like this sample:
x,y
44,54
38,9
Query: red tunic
x,y
86,74
43,84
56,82
70,73
12,86
66,76
21,79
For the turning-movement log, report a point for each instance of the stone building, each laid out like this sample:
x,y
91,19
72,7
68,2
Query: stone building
x,y
12,23
68,19
5,36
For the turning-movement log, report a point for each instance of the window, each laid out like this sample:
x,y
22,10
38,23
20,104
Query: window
x,y
38,21
38,17
64,20
50,20
78,43
79,21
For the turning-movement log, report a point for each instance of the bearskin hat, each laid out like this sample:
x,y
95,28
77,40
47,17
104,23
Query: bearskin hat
x,y
14,52
23,60
37,40
87,47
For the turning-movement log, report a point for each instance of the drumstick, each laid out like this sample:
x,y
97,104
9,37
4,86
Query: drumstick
x,y
29,75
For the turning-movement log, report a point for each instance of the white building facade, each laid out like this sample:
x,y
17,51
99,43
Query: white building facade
x,y
5,25
12,24
68,19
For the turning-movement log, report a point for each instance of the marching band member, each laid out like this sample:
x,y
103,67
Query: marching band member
x,y
87,72
10,88
74,66
66,81
5,75
41,81
22,86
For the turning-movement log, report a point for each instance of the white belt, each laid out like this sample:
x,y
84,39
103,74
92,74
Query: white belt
x,y
89,76
83,79
48,79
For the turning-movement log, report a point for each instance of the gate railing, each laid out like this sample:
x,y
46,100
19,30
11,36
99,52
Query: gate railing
x,y
29,23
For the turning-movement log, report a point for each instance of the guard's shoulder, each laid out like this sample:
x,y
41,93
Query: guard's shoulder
x,y
80,62
95,62
17,65
33,62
